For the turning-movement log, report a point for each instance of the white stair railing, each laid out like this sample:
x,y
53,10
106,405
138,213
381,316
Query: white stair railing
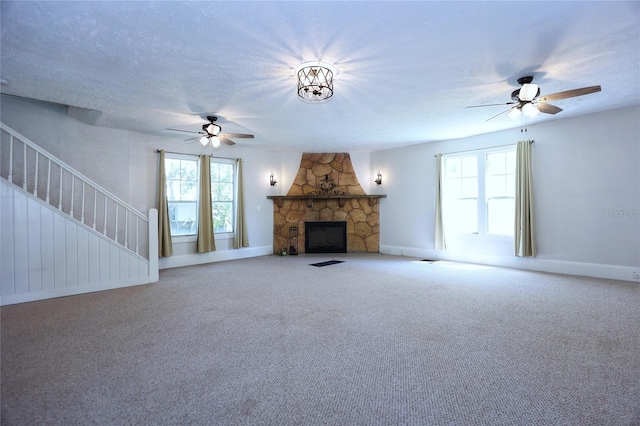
x,y
26,165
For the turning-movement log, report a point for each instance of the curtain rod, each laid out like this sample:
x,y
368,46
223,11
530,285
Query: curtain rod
x,y
478,149
197,155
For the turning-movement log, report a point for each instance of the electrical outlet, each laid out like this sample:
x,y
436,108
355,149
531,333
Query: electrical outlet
x,y
636,275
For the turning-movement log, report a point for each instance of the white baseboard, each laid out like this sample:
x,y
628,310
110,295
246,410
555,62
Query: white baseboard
x,y
164,263
69,291
614,272
214,256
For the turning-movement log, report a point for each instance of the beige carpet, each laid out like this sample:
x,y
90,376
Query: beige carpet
x,y
376,340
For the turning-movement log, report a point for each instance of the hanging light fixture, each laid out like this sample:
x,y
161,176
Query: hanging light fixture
x,y
315,81
204,140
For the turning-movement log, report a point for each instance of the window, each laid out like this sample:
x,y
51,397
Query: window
x,y
182,179
222,196
182,195
479,193
461,189
500,191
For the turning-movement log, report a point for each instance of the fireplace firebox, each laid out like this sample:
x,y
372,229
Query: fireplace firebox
x,y
325,237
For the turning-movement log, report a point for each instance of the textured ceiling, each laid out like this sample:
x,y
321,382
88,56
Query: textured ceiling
x,y
405,70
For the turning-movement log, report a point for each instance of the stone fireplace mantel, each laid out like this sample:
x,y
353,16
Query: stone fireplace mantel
x,y
342,199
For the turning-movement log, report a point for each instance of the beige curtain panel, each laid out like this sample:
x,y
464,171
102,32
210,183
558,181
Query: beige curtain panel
x,y
165,247
205,241
439,243
525,239
241,238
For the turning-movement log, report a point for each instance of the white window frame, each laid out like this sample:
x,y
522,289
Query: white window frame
x,y
218,235
482,199
168,156
512,196
228,235
459,182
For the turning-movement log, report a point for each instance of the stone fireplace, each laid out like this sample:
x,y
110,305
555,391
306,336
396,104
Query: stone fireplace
x,y
326,189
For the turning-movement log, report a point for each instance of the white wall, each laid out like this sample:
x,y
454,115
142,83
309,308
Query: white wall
x,y
584,166
126,163
587,194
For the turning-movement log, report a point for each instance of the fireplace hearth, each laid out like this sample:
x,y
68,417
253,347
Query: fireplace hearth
x,y
325,237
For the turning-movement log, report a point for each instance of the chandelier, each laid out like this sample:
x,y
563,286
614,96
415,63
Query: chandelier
x,y
315,81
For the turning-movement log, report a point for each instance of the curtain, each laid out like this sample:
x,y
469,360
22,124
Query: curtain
x,y
205,241
241,239
439,243
525,241
165,248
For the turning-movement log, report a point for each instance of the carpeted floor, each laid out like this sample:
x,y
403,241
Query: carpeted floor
x,y
375,340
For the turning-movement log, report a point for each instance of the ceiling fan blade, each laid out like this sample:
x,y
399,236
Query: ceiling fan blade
x,y
236,135
503,112
569,94
548,108
186,131
190,139
486,105
226,141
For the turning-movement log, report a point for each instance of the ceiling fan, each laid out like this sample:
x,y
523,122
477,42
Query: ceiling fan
x,y
211,132
527,99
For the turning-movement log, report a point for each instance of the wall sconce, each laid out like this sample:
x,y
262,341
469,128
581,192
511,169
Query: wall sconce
x,y
272,180
378,180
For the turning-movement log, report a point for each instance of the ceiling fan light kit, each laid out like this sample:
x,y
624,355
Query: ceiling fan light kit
x,y
528,92
515,113
212,129
315,81
530,110
215,142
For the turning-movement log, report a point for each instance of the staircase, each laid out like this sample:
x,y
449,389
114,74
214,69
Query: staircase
x,y
63,234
